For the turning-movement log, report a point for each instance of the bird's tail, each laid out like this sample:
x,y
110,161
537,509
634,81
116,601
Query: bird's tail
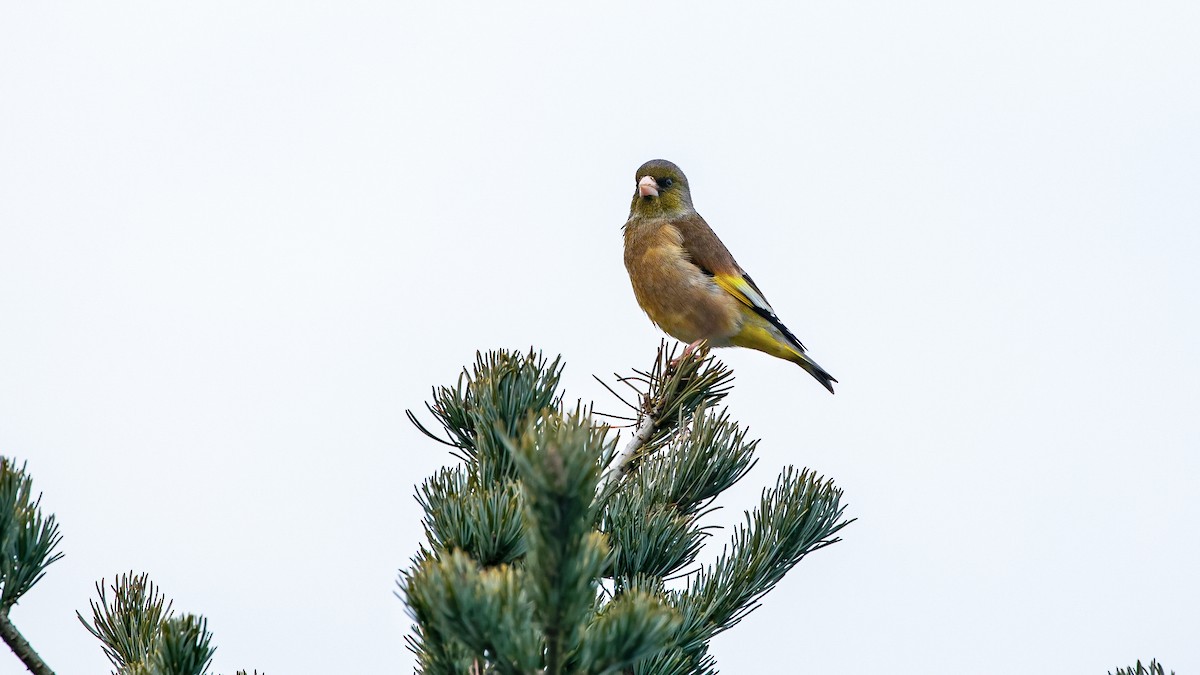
x,y
801,359
766,334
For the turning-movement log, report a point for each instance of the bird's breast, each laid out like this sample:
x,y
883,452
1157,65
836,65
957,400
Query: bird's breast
x,y
674,292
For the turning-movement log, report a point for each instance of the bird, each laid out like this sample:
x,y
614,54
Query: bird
x,y
687,281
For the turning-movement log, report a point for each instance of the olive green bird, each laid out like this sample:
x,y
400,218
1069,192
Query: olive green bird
x,y
687,281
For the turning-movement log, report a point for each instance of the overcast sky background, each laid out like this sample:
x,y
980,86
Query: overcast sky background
x,y
239,239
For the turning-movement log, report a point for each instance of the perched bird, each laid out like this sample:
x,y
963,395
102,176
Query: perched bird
x,y
687,281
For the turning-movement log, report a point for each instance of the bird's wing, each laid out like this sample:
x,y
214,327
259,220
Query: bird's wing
x,y
707,252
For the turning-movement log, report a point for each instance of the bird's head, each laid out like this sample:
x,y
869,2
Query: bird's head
x,y
662,189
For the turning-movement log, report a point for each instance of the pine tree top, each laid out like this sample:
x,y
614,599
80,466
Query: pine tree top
x,y
550,550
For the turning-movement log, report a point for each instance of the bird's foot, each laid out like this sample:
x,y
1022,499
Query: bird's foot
x,y
687,351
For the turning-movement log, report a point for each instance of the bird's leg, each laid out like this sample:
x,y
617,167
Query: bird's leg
x,y
687,351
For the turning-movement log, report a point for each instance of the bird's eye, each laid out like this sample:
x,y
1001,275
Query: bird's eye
x,y
666,182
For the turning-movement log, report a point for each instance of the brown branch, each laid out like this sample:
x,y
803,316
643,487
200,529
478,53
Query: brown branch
x,y
20,646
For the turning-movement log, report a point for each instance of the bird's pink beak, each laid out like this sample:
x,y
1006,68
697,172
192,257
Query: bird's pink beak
x,y
647,187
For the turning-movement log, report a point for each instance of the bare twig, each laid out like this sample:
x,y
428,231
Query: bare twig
x,y
670,394
20,646
640,438
614,393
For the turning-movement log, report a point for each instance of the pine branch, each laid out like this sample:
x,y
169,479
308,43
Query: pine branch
x,y
141,636
28,541
559,466
128,627
184,647
492,404
437,651
27,538
645,431
699,465
648,539
801,514
632,627
652,521
484,609
1155,668
20,646
520,535
674,389
484,522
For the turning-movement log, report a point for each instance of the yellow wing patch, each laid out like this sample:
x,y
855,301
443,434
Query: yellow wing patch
x,y
743,290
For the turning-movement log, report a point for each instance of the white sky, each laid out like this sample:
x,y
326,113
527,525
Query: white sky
x,y
238,239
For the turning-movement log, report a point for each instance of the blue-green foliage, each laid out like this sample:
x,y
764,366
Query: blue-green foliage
x,y
1155,668
28,538
142,636
543,555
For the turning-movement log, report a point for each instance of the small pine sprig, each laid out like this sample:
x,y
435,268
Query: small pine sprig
x,y
635,626
491,404
483,609
669,394
184,647
128,627
484,522
1155,668
801,514
28,540
140,633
